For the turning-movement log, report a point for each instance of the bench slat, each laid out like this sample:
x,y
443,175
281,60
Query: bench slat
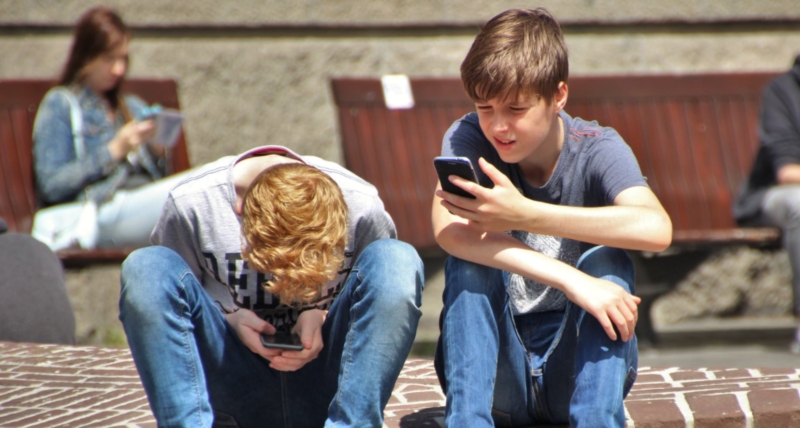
x,y
19,201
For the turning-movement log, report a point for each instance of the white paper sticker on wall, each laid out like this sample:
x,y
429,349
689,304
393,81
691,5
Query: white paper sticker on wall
x,y
397,91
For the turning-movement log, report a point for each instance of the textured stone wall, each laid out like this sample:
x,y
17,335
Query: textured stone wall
x,y
392,11
253,72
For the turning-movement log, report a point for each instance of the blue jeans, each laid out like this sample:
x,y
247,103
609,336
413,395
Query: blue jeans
x,y
497,368
781,208
196,371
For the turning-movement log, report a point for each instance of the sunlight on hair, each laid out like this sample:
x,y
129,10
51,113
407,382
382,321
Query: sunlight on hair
x,y
294,225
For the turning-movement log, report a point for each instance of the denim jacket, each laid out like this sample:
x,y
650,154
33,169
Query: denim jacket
x,y
60,175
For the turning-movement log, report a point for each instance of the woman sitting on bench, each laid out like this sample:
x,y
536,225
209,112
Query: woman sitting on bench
x,y
96,168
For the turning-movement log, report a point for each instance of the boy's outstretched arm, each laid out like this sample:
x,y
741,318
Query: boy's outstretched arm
x,y
636,221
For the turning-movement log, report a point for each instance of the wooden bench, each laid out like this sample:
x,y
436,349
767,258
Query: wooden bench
x,y
19,101
695,137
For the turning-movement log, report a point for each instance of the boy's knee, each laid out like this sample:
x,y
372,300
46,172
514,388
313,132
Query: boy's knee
x,y
392,259
608,262
148,261
395,253
395,268
468,276
144,272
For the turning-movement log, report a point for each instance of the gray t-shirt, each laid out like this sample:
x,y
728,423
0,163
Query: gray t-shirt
x,y
199,223
594,166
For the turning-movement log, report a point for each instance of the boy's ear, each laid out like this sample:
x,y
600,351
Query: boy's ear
x,y
560,97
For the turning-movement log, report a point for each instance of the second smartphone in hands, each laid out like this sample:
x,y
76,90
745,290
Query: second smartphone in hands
x,y
281,340
453,165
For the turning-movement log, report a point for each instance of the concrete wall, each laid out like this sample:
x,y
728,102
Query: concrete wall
x,y
254,72
350,12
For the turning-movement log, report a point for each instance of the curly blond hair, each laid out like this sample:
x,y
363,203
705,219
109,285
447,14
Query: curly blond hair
x,y
294,225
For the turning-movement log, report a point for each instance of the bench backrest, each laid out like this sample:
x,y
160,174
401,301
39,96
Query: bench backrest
x,y
19,100
694,136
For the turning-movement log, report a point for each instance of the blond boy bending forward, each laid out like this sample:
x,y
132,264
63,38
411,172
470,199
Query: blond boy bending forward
x,y
265,241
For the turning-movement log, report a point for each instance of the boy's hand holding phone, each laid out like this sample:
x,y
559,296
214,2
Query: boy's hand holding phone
x,y
458,166
309,328
249,327
498,209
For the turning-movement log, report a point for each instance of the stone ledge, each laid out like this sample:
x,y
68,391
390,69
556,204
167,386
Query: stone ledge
x,y
64,386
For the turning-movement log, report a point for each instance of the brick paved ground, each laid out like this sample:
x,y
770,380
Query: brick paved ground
x,y
57,386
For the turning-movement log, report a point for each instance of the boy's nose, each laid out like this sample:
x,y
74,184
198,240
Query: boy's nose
x,y
499,125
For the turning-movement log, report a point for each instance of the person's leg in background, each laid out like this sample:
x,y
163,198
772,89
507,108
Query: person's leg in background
x,y
130,216
781,208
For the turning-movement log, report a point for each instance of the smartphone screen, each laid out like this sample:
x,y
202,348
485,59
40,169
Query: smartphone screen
x,y
290,341
460,166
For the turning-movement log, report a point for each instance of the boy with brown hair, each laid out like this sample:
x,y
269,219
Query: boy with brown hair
x,y
262,242
536,257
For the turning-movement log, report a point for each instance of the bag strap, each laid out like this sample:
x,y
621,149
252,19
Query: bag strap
x,y
76,122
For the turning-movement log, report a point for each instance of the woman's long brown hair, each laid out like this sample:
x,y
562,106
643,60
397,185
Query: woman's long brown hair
x,y
99,30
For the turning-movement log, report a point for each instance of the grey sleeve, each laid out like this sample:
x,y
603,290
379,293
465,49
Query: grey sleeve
x,y
375,225
778,127
612,168
174,230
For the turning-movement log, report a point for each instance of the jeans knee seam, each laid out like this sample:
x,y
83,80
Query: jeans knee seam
x,y
347,348
187,348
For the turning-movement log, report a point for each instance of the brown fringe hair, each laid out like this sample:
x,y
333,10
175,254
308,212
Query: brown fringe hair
x,y
518,53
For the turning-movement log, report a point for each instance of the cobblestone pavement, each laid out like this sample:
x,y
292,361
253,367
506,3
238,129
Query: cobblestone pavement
x,y
57,386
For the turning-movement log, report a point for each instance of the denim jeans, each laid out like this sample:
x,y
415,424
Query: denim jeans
x,y
781,208
195,369
551,367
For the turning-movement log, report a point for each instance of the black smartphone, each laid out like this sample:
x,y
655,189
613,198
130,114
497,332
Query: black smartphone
x,y
290,341
452,165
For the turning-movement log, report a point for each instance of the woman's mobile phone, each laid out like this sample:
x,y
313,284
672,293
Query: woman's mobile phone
x,y
290,341
451,165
